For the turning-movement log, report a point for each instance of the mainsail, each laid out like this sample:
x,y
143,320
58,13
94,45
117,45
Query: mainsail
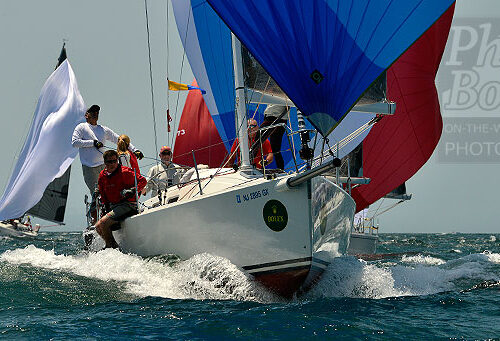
x,y
47,152
52,206
399,145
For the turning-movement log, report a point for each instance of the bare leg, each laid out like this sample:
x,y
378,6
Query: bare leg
x,y
104,230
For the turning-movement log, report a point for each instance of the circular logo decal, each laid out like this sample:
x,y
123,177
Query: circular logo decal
x,y
275,215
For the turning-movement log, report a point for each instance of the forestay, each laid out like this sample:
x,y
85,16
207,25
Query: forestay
x,y
47,152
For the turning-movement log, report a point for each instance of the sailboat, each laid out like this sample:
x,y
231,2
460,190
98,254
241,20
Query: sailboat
x,y
400,144
281,228
39,183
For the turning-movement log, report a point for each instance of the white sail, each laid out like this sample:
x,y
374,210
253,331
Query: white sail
x,y
47,152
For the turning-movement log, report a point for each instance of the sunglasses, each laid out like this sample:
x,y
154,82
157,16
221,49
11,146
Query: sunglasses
x,y
166,153
110,162
252,126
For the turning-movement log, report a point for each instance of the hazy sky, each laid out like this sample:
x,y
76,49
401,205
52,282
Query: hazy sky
x,y
107,48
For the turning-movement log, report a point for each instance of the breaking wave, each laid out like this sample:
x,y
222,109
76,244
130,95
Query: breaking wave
x,y
412,276
424,260
201,277
206,276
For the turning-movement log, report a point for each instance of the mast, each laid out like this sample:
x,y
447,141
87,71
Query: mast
x,y
241,117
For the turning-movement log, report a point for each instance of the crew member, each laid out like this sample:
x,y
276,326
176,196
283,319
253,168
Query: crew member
x,y
125,157
276,114
89,138
253,128
164,174
118,194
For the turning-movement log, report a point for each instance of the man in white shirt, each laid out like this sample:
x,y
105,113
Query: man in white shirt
x,y
89,138
164,174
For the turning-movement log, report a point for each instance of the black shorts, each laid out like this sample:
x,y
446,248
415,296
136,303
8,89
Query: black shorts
x,y
122,210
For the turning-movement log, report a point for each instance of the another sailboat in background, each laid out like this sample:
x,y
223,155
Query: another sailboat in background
x,y
399,145
40,180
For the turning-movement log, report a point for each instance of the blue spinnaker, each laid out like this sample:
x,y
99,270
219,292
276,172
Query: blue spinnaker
x,y
325,53
207,42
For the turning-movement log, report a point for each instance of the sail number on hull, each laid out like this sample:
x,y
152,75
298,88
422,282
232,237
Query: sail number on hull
x,y
251,196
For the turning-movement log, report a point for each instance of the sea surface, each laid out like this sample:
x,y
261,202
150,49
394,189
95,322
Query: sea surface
x,y
432,286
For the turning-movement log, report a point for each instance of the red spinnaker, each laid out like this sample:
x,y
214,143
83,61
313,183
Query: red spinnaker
x,y
399,145
196,129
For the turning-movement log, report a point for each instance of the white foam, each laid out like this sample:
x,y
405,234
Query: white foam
x,y
424,260
493,239
424,275
201,277
350,277
205,276
493,257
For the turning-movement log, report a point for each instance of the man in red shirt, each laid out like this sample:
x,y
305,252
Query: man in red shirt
x,y
253,128
118,193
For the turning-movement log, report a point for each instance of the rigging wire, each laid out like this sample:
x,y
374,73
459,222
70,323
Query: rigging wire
x,y
151,75
168,91
180,77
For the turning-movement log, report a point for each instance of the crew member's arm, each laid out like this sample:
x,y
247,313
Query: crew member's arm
x,y
150,183
100,185
133,163
268,152
130,180
111,136
78,141
141,183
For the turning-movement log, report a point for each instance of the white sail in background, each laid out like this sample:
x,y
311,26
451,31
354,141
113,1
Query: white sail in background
x,y
47,152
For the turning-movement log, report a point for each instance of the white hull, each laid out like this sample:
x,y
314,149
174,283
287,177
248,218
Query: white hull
x,y
20,231
363,244
228,220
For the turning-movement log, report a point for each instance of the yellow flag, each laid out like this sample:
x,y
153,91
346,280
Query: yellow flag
x,y
179,87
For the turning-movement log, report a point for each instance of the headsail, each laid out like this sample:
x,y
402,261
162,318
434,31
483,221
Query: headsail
x,y
197,132
324,54
399,145
47,152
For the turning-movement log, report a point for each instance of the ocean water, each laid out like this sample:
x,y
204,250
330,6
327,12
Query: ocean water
x,y
433,286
